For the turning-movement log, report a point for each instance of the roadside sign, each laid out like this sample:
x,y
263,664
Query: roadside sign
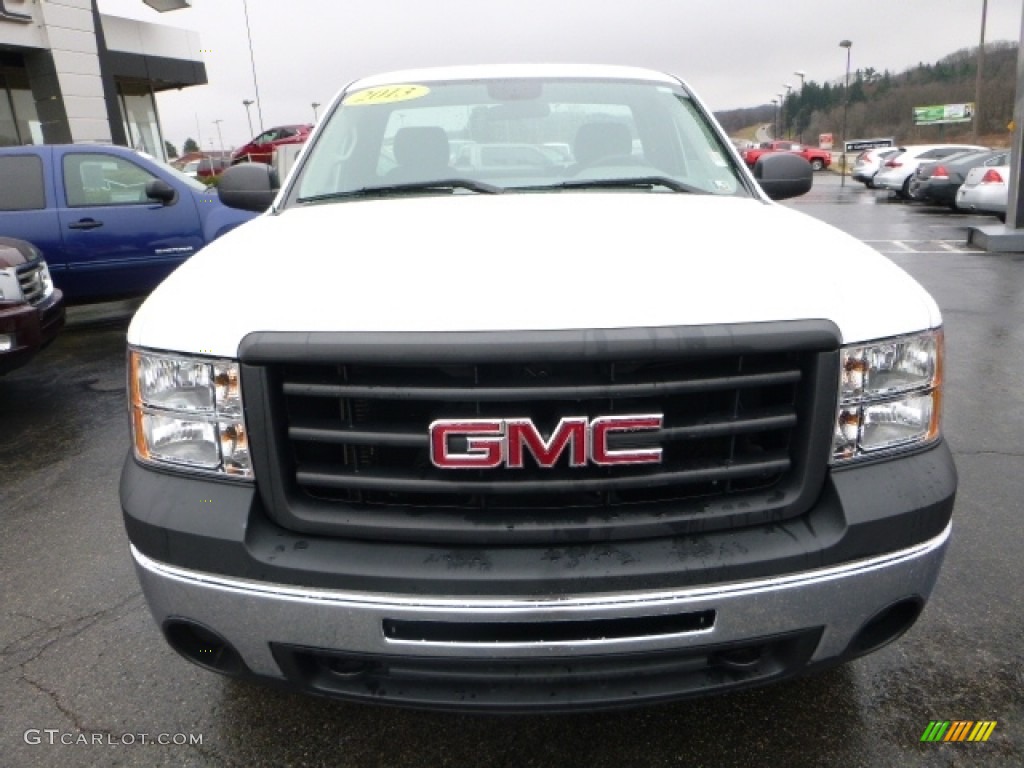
x,y
942,114
859,145
825,141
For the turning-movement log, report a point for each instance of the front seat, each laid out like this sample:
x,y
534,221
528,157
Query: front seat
x,y
422,153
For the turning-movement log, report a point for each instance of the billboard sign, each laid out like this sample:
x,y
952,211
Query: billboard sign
x,y
944,113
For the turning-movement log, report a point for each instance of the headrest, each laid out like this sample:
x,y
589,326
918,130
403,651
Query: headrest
x,y
423,145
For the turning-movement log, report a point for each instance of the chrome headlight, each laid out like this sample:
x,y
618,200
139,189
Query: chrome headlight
x,y
187,413
46,280
890,396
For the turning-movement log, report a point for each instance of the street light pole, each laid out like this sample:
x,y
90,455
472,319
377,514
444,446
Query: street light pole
x,y
248,114
316,104
775,119
782,116
801,74
787,123
847,44
252,61
220,137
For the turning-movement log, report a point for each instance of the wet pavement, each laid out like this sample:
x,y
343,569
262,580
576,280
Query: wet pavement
x,y
88,681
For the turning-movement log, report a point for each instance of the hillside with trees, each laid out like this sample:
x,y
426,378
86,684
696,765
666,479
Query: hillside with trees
x,y
882,103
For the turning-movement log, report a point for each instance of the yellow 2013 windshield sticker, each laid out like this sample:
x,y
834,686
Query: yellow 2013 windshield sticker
x,y
386,94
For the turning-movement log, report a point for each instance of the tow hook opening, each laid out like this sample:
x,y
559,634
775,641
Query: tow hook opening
x,y
740,659
202,646
887,625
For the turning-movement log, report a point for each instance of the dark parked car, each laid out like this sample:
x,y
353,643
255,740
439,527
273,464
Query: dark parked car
x,y
938,182
261,149
31,309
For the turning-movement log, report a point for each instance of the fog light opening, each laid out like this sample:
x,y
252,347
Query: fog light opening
x,y
204,647
887,625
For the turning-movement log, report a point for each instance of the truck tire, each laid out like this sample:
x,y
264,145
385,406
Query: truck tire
x,y
817,164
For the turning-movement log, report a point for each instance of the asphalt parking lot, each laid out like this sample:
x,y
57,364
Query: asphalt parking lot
x,y
88,681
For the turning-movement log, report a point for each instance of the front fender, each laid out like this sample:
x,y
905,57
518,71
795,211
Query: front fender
x,y
218,219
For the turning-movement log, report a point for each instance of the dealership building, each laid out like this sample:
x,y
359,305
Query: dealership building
x,y
69,73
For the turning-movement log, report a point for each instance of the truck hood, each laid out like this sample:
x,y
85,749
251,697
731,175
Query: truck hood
x,y
567,260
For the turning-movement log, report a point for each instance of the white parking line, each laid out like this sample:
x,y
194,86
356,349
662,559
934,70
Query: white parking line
x,y
940,247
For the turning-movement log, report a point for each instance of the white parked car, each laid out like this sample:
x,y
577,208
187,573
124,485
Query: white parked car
x,y
985,190
898,170
869,162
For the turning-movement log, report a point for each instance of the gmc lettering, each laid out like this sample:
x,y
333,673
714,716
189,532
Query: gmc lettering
x,y
492,443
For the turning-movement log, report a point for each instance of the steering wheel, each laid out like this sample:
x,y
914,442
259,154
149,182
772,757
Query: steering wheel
x,y
612,160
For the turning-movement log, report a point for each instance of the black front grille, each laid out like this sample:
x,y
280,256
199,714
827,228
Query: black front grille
x,y
354,438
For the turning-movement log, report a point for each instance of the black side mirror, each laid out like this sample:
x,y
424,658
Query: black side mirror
x,y
158,189
249,186
783,175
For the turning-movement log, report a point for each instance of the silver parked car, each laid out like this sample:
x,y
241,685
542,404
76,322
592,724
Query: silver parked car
x,y
985,190
869,162
898,170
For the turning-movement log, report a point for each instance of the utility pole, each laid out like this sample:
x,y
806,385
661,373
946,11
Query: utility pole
x,y
981,67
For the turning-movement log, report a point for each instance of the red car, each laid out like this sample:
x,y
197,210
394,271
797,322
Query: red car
x,y
818,158
261,148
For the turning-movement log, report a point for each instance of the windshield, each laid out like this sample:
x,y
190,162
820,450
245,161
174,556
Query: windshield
x,y
468,137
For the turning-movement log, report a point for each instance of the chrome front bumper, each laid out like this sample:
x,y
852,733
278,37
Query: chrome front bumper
x,y
253,617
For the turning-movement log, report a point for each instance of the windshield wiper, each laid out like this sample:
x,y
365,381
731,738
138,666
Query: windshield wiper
x,y
416,186
632,182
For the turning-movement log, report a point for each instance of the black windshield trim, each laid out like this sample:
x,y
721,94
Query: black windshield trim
x,y
384,190
631,182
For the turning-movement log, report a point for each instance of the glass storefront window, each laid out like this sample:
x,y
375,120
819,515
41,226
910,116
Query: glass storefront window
x,y
138,112
29,127
19,123
8,129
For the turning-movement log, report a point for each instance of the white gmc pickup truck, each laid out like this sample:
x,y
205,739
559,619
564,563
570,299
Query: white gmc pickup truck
x,y
603,431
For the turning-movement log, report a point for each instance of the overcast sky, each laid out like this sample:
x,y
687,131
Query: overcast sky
x,y
734,53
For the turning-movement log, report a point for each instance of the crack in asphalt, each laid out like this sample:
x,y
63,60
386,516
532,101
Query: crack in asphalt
x,y
208,754
68,713
56,633
78,625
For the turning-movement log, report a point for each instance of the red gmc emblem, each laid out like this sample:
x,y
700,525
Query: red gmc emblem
x,y
491,443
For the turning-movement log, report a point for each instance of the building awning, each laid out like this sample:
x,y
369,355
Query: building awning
x,y
166,57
